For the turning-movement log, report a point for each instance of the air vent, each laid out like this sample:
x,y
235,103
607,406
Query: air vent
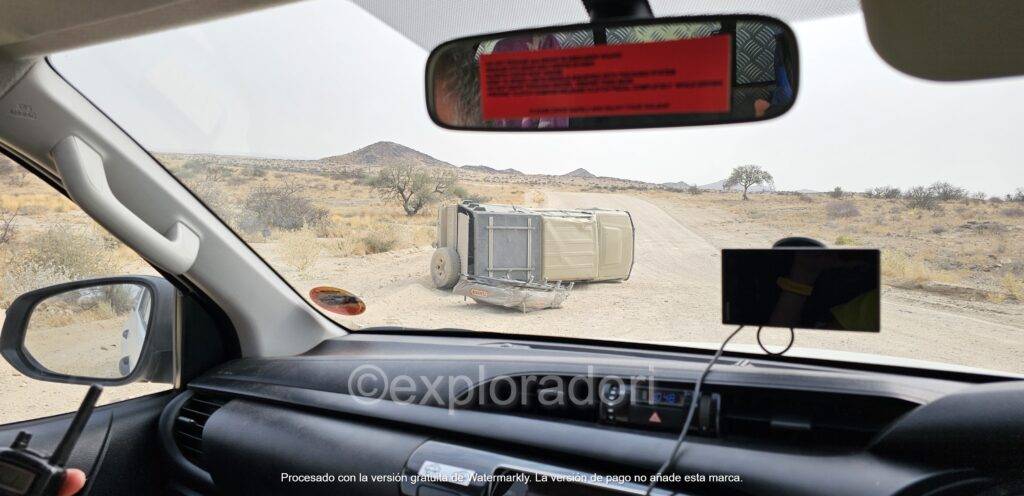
x,y
806,418
189,424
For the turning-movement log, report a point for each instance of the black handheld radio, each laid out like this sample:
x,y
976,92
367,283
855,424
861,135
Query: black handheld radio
x,y
24,472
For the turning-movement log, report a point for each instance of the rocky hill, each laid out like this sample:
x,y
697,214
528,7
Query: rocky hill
x,y
581,172
385,153
490,170
676,185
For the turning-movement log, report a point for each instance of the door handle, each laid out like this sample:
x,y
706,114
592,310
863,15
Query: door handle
x,y
81,169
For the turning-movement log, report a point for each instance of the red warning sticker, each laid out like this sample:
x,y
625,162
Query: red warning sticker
x,y
666,77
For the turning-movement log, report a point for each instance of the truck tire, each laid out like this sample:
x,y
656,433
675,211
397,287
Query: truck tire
x,y
444,267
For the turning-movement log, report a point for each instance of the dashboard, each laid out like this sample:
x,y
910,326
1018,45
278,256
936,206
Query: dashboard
x,y
485,416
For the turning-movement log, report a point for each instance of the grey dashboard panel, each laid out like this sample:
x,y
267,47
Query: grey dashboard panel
x,y
251,446
809,473
276,396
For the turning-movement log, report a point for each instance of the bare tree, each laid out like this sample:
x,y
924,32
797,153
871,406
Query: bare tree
x,y
746,176
413,186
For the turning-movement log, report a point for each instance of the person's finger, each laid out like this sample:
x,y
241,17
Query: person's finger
x,y
74,481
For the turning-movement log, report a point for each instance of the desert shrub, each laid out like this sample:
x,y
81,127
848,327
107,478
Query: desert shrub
x,y
477,198
381,239
884,192
193,168
921,197
279,207
254,172
1016,196
12,173
327,228
346,247
299,249
804,198
841,209
59,254
836,193
7,227
976,197
843,240
1013,286
27,276
694,190
461,193
938,229
1009,212
212,195
944,191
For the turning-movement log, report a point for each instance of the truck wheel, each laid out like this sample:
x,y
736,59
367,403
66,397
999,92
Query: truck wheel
x,y
444,267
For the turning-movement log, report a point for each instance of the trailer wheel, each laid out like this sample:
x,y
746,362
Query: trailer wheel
x,y
444,267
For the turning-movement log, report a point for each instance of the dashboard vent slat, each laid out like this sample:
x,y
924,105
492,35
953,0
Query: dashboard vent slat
x,y
189,425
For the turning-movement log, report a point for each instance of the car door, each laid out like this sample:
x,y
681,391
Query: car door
x,y
50,241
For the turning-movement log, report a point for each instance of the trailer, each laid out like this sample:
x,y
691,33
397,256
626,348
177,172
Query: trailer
x,y
523,252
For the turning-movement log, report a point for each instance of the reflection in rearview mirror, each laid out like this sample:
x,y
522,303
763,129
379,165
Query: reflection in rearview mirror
x,y
95,332
649,73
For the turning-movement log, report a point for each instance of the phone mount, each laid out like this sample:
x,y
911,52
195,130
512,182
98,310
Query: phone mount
x,y
798,242
24,472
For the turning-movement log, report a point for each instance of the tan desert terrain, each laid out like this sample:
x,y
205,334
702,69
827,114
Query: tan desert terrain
x,y
953,273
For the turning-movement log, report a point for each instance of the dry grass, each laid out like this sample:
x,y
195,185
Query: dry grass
x,y
299,249
1014,286
901,270
36,203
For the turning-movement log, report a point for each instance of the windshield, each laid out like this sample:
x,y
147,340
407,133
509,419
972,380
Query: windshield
x,y
304,128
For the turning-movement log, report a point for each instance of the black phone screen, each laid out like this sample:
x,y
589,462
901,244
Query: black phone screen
x,y
809,288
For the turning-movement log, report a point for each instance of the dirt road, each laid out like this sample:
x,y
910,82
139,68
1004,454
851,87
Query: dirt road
x,y
674,295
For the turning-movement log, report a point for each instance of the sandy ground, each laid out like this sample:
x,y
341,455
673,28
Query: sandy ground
x,y
674,295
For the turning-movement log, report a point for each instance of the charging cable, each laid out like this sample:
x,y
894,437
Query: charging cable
x,y
694,399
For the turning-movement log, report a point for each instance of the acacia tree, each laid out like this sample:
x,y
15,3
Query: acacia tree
x,y
747,176
413,186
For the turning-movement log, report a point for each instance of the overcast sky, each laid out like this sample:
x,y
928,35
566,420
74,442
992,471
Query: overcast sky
x,y
324,78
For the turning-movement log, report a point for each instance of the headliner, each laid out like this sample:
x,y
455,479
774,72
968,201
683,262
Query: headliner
x,y
40,27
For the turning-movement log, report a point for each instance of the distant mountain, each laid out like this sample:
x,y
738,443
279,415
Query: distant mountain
x,y
720,186
581,172
386,153
490,170
676,185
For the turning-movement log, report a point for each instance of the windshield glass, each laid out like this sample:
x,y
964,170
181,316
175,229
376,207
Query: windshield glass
x,y
304,128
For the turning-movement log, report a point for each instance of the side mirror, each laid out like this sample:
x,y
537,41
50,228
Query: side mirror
x,y
110,331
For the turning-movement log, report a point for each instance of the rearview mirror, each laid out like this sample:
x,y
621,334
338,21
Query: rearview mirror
x,y
616,75
109,331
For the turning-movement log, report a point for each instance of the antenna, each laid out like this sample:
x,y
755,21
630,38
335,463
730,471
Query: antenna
x,y
63,451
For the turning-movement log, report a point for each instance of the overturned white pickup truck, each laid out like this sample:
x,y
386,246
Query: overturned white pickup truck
x,y
528,258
